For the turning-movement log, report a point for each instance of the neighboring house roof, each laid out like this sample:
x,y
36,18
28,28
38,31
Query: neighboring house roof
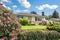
x,y
27,14
55,19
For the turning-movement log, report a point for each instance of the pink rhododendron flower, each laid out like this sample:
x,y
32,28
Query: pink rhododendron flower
x,y
0,21
5,14
16,20
9,25
6,30
1,38
9,18
13,38
11,32
16,28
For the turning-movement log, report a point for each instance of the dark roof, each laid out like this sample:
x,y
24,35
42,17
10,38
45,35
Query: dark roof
x,y
27,14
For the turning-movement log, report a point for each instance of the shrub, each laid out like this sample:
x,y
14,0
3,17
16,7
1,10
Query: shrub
x,y
32,36
44,23
52,35
24,21
38,35
7,25
54,26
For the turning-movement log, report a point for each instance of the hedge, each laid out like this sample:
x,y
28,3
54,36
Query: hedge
x,y
38,35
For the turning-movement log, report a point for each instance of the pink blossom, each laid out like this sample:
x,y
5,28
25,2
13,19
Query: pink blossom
x,y
6,30
5,14
11,32
17,28
1,38
0,21
9,18
13,38
16,20
9,25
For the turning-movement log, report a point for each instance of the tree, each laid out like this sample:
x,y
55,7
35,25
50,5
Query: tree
x,y
55,14
33,12
49,17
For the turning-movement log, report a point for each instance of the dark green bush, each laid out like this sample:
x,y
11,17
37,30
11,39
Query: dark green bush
x,y
52,35
38,35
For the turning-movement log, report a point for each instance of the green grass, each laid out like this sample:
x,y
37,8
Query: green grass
x,y
33,27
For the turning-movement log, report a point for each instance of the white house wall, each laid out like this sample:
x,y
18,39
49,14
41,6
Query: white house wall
x,y
33,19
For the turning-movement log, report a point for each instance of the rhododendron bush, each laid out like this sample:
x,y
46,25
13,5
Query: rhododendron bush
x,y
8,26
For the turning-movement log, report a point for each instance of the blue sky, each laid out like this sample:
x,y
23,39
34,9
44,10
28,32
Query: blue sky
x,y
48,6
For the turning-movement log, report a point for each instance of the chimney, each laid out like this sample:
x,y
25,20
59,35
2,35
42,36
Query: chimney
x,y
42,13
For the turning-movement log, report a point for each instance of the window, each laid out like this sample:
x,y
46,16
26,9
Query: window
x,y
20,16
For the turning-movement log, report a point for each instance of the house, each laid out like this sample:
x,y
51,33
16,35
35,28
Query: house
x,y
34,18
31,17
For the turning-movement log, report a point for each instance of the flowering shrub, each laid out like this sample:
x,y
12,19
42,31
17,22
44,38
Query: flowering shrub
x,y
7,26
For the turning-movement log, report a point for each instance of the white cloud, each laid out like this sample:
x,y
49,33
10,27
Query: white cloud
x,y
25,10
25,3
17,11
4,6
14,6
7,7
42,7
5,1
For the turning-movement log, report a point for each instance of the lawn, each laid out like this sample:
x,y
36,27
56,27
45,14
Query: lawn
x,y
33,27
